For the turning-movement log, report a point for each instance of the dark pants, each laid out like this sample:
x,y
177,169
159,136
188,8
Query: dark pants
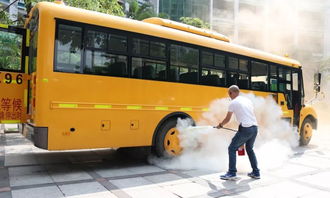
x,y
247,136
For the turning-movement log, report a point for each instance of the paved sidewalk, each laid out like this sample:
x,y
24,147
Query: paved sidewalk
x,y
29,172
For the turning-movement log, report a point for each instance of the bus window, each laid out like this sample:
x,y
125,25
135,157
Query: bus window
x,y
219,60
33,26
96,39
117,43
148,69
184,64
103,63
259,76
10,51
207,58
243,65
157,49
232,78
295,84
243,81
140,47
68,48
273,78
284,78
213,77
233,63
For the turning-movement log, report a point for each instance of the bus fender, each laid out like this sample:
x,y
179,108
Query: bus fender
x,y
310,113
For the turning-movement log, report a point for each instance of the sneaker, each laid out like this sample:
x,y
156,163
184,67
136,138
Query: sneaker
x,y
254,175
228,176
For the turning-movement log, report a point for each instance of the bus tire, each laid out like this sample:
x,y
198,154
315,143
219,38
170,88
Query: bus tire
x,y
167,142
306,131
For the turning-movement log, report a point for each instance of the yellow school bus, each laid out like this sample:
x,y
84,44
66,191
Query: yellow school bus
x,y
91,80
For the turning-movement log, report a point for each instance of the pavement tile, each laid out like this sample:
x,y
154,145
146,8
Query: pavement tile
x,y
136,182
20,159
30,175
84,190
65,173
42,192
145,169
166,179
319,179
4,177
290,170
317,194
188,189
197,173
5,195
116,172
112,172
280,190
139,187
312,161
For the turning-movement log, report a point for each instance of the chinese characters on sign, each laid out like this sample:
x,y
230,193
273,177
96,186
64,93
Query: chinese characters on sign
x,y
11,109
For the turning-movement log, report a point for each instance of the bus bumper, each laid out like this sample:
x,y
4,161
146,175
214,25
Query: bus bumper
x,y
38,135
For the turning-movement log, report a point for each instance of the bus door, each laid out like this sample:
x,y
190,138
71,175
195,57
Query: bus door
x,y
297,95
13,75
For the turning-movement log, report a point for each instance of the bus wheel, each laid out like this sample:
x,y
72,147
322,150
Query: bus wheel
x,y
306,131
167,142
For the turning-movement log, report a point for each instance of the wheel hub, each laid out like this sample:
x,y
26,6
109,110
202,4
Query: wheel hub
x,y
308,130
172,142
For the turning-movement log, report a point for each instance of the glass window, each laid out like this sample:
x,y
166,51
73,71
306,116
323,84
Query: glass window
x,y
157,49
140,47
207,58
10,51
68,48
243,81
284,74
117,43
295,84
184,64
102,63
213,77
259,76
273,78
220,60
184,56
232,78
233,63
243,65
148,69
96,39
33,26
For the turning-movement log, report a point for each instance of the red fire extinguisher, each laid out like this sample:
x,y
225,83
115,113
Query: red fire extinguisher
x,y
241,150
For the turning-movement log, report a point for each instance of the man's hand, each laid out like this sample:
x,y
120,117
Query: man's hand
x,y
219,126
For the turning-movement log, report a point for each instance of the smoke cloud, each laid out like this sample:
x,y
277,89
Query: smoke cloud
x,y
205,147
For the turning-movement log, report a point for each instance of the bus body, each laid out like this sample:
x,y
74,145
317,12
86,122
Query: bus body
x,y
101,81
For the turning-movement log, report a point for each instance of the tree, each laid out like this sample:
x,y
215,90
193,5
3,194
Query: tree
x,y
140,12
4,18
197,22
10,53
105,6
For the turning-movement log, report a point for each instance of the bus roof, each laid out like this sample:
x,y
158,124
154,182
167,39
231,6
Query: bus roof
x,y
61,11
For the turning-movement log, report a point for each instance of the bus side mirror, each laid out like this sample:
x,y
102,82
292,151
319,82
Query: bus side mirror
x,y
317,82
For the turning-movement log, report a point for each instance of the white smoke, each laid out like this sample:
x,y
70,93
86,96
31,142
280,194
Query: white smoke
x,y
205,147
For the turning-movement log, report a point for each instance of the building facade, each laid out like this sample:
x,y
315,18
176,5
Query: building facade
x,y
15,8
185,8
296,28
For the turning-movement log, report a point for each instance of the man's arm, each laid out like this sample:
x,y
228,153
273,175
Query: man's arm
x,y
226,120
